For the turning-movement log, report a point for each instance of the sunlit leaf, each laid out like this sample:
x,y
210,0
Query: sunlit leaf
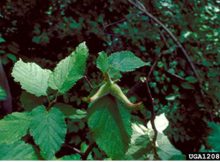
x,y
69,70
32,77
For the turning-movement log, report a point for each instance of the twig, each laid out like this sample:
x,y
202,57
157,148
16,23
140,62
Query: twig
x,y
86,153
156,156
111,34
90,84
175,76
164,40
116,23
73,148
141,7
153,66
155,63
51,103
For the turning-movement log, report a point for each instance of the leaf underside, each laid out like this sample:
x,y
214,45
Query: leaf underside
x,y
140,143
166,150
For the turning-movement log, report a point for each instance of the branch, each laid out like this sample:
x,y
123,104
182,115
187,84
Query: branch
x,y
114,23
153,66
105,27
51,103
142,8
73,148
175,76
156,156
155,63
89,83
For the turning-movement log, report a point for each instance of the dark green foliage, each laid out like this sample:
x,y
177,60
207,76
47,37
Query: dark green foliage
x,y
3,94
213,138
43,34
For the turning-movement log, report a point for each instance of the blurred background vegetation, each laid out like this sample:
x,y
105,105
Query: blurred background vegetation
x,y
45,31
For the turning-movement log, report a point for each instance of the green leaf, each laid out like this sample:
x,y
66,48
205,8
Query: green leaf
x,y
213,138
114,73
32,77
12,57
109,121
41,39
125,61
13,127
166,150
102,62
140,143
191,79
71,157
69,70
2,40
48,129
186,85
172,97
79,114
3,94
17,151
